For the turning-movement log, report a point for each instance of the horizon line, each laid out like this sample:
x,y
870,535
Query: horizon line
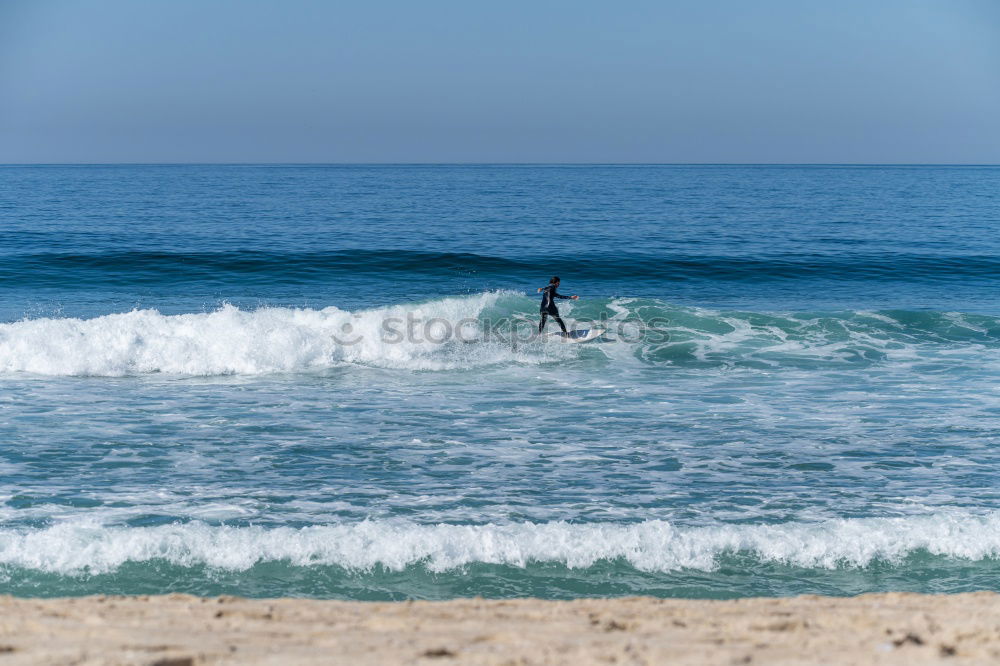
x,y
536,164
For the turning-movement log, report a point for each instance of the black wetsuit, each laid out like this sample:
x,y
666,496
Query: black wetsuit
x,y
548,307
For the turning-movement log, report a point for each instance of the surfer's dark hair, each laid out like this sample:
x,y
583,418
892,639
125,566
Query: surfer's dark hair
x,y
554,280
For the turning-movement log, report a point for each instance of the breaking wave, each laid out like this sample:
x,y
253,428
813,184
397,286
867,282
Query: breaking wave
x,y
451,333
652,546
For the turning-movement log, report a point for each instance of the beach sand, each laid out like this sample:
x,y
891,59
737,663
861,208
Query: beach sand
x,y
177,630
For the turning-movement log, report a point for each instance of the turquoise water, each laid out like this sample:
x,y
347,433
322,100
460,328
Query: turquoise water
x,y
322,381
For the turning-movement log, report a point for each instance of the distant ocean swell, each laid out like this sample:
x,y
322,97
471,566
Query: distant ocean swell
x,y
231,341
66,270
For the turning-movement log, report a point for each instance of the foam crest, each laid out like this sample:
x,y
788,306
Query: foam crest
x,y
263,341
450,333
71,548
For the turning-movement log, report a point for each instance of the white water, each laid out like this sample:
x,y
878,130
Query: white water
x,y
265,341
446,334
654,545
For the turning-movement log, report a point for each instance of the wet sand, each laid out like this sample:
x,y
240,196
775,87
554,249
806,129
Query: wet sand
x,y
180,630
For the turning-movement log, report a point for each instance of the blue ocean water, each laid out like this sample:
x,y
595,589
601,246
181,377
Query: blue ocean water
x,y
321,380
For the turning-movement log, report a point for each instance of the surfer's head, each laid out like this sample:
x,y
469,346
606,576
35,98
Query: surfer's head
x,y
554,280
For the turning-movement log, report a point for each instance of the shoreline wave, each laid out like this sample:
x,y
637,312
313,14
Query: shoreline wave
x,y
395,545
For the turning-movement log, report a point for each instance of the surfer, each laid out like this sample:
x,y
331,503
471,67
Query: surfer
x,y
548,306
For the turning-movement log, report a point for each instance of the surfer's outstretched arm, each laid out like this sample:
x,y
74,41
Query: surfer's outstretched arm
x,y
555,295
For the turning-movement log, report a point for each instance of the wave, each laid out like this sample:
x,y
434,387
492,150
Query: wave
x,y
651,546
805,340
253,342
148,267
461,333
62,269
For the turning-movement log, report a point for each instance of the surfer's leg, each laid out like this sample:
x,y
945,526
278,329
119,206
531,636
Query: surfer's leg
x,y
560,322
541,324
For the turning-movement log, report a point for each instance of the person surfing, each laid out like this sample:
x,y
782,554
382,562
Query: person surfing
x,y
548,307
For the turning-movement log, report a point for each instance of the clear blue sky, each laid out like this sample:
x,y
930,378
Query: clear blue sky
x,y
502,81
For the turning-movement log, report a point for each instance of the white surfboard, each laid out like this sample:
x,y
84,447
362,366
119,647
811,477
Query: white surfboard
x,y
579,335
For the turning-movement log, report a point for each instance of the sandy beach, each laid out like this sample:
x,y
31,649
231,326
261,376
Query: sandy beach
x,y
177,630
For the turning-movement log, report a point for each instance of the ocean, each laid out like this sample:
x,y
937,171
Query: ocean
x,y
322,381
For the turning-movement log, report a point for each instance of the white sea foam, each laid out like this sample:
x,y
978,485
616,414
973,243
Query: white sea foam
x,y
434,336
263,341
69,548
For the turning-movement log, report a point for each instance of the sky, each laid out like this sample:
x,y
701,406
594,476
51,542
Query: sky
x,y
589,81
